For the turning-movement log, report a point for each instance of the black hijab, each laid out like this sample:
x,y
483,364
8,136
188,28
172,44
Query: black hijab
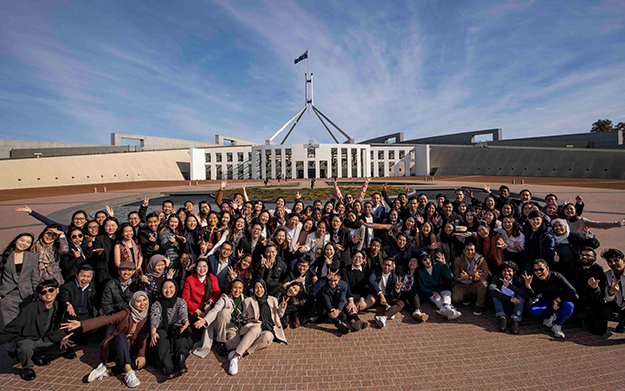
x,y
352,224
263,307
167,303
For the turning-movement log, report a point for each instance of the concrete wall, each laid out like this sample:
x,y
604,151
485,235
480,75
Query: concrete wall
x,y
463,138
397,138
49,152
606,140
7,145
221,139
520,161
95,169
151,142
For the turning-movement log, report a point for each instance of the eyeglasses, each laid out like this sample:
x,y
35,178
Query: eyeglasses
x,y
76,236
44,291
542,269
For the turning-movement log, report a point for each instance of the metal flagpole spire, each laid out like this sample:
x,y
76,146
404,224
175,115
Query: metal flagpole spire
x,y
310,106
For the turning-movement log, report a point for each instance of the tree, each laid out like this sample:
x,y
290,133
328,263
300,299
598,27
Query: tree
x,y
620,126
602,125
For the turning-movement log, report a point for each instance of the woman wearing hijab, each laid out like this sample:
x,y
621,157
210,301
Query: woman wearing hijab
x,y
130,335
169,321
568,247
49,247
152,280
263,315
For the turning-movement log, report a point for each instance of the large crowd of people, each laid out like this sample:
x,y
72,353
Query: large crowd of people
x,y
160,286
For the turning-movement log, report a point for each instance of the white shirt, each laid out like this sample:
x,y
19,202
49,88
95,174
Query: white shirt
x,y
383,282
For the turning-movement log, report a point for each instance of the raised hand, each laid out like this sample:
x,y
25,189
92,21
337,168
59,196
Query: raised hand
x,y
556,257
76,253
283,303
398,285
146,202
486,187
239,254
223,185
594,284
109,211
25,208
231,273
170,273
419,218
384,186
144,278
505,282
528,280
440,257
468,193
579,199
614,287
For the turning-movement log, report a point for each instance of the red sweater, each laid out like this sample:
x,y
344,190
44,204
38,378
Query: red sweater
x,y
194,290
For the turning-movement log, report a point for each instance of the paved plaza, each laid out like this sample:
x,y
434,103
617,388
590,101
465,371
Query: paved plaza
x,y
467,353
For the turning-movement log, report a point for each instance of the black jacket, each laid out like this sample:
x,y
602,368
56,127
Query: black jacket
x,y
588,295
357,281
70,293
114,299
555,286
275,276
104,262
517,286
147,246
31,324
245,245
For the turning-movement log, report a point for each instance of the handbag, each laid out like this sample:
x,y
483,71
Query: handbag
x,y
240,319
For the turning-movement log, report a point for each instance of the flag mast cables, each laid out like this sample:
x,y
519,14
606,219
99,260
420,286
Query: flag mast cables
x,y
309,106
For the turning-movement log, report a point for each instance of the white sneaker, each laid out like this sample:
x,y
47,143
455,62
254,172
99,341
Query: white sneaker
x,y
98,374
131,379
550,321
454,315
446,311
557,331
416,312
231,355
233,368
381,321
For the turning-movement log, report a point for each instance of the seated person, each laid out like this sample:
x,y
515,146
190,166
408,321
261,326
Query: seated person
x,y
219,262
615,305
168,330
590,284
409,293
263,326
297,304
470,274
304,274
152,281
431,282
330,295
508,292
34,334
201,291
76,298
130,335
557,296
222,322
272,269
357,288
385,286
118,291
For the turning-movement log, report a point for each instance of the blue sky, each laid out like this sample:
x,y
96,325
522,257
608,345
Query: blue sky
x,y
77,71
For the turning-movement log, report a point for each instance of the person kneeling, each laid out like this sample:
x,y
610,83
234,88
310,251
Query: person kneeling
x,y
35,332
508,292
263,326
132,328
169,322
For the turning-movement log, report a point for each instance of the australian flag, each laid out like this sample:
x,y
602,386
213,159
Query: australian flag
x,y
302,57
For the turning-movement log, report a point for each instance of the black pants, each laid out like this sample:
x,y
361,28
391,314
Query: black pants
x,y
324,306
169,347
597,315
25,349
411,299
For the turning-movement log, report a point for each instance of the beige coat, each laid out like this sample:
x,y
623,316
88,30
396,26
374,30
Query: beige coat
x,y
250,309
203,348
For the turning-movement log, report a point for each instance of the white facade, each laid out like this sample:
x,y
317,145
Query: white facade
x,y
301,161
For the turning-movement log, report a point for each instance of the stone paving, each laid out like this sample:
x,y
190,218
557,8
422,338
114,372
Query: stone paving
x,y
467,353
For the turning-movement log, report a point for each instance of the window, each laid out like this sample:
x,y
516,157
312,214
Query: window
x,y
208,158
229,157
380,155
391,155
240,156
218,158
402,154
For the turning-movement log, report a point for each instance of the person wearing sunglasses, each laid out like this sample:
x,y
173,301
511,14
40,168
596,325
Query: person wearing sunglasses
x,y
557,295
77,254
35,336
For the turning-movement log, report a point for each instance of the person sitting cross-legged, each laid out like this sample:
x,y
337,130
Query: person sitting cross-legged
x,y
470,273
330,297
508,292
432,282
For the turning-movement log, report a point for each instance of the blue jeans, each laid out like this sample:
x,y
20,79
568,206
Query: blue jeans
x,y
544,309
508,308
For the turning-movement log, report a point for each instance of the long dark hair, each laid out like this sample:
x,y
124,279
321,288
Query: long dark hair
x,y
11,247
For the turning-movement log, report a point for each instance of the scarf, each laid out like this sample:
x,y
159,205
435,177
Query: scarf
x,y
352,224
137,316
263,307
151,269
238,307
46,254
562,239
165,302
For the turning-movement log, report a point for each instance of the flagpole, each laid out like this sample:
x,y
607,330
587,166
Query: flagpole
x,y
309,78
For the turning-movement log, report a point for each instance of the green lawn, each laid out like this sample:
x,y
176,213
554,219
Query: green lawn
x,y
271,193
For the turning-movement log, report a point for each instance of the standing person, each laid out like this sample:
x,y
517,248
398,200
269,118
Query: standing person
x,y
168,330
615,304
539,243
130,335
556,296
49,247
148,236
103,258
79,251
170,241
127,248
263,326
470,275
35,331
220,263
19,276
590,283
508,292
76,298
514,241
312,183
568,248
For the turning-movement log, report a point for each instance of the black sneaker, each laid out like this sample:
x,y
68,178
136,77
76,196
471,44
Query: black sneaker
x,y
221,349
182,364
620,328
69,354
502,323
41,361
358,325
466,302
342,328
514,327
27,374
